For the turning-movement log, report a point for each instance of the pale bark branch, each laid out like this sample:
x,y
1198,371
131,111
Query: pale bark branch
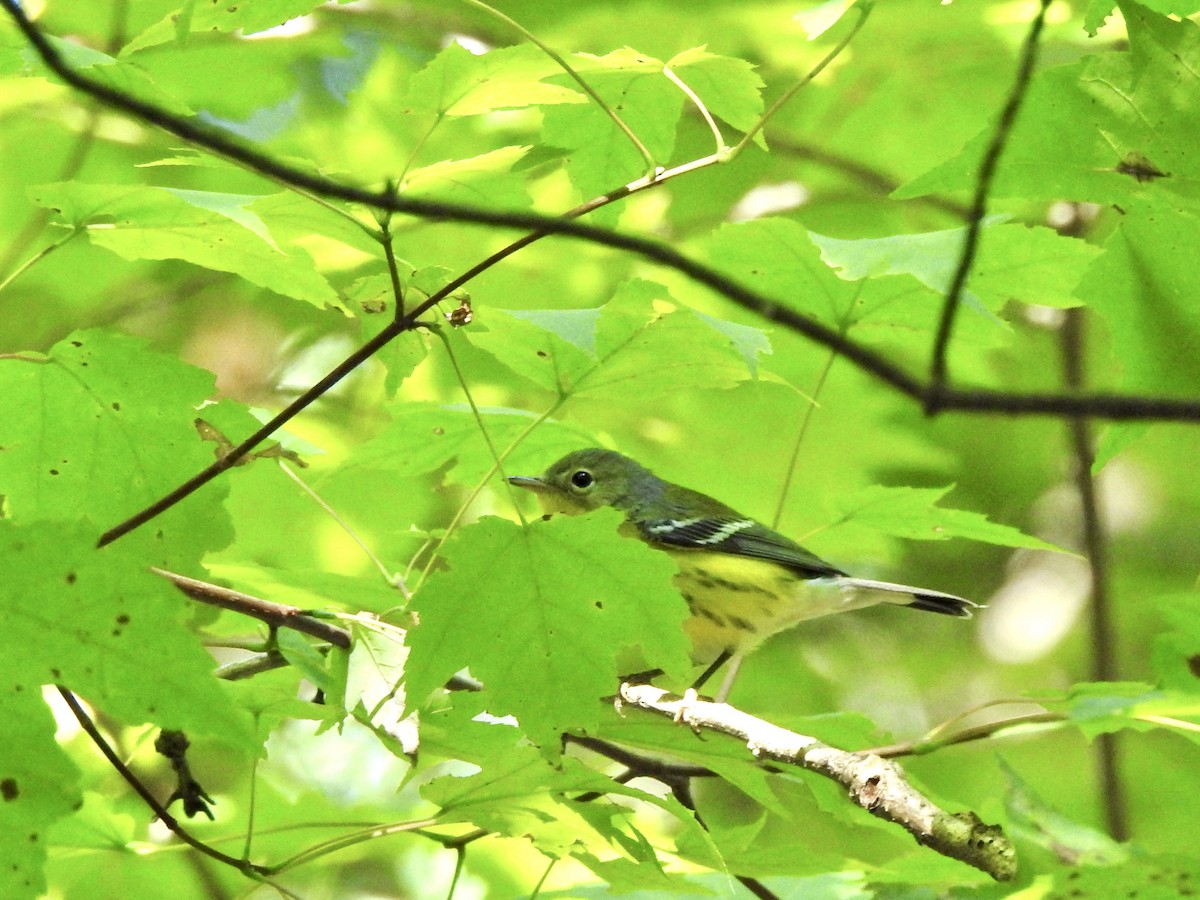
x,y
876,784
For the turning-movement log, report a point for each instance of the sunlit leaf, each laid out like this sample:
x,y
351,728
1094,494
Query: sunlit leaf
x,y
222,15
459,83
777,257
484,180
729,88
1141,282
1176,652
1080,123
99,404
913,513
423,437
153,223
1014,262
1041,823
601,157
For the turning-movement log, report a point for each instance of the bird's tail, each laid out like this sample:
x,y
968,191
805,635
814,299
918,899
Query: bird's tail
x,y
917,598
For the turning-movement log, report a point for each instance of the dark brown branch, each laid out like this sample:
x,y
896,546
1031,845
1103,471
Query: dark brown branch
x,y
250,666
277,615
1104,657
983,187
85,722
1114,407
238,453
676,777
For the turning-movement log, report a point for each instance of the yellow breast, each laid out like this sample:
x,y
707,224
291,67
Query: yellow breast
x,y
738,602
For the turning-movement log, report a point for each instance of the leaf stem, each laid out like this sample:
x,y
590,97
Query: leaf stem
x,y
324,848
651,165
722,147
491,473
389,255
39,256
927,743
864,10
790,472
393,580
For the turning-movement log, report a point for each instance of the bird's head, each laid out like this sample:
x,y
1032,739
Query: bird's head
x,y
587,480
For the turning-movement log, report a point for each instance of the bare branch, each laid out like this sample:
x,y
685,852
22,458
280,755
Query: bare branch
x,y
983,186
876,784
85,722
277,615
1100,618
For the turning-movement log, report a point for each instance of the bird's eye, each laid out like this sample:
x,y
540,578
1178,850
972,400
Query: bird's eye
x,y
582,479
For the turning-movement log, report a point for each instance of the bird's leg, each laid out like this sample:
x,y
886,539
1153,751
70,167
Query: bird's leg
x,y
727,683
712,669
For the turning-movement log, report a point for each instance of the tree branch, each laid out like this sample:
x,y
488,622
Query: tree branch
x,y
1103,642
983,186
85,722
876,784
1106,406
935,397
277,615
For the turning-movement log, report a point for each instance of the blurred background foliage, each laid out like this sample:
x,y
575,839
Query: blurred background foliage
x,y
350,90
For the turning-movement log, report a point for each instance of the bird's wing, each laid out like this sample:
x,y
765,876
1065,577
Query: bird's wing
x,y
739,537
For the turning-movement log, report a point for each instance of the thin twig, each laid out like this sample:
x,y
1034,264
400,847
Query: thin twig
x,y
926,744
241,669
20,270
757,888
1099,405
389,253
647,766
983,187
467,502
700,107
277,615
789,472
863,10
324,848
393,580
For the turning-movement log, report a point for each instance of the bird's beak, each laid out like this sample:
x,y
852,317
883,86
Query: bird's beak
x,y
551,499
530,484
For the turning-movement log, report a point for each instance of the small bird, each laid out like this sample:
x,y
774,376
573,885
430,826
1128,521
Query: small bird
x,y
742,581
